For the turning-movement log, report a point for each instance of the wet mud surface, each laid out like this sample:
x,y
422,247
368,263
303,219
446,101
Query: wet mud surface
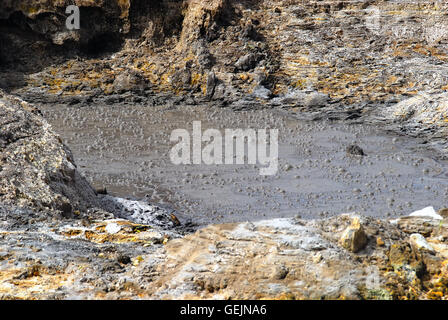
x,y
125,148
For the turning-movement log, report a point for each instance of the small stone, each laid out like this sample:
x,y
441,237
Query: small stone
x,y
379,242
102,190
130,80
211,84
66,209
85,222
124,259
247,62
443,212
315,100
113,228
354,237
317,258
137,261
279,272
419,242
355,150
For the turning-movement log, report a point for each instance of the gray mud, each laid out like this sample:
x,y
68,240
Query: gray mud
x,y
126,148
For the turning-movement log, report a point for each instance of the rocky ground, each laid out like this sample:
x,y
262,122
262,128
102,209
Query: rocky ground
x,y
374,61
49,252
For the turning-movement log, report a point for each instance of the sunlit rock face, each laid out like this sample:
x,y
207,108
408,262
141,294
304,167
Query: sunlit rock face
x,y
350,52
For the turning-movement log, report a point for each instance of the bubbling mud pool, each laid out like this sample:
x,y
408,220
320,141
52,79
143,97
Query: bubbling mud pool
x,y
126,150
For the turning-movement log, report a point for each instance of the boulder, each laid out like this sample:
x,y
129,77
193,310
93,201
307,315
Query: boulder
x,y
36,168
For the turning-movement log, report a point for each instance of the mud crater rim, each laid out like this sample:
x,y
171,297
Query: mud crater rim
x,y
124,149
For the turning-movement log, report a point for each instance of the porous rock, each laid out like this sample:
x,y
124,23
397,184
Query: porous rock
x,y
36,168
354,237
